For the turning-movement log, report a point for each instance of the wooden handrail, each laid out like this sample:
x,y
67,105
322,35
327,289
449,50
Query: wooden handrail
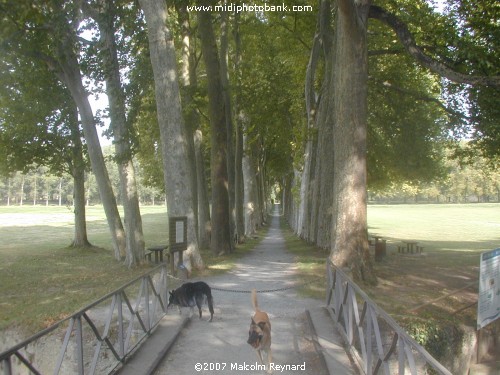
x,y
148,319
362,329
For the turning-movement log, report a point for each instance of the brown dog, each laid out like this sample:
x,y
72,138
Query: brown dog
x,y
259,335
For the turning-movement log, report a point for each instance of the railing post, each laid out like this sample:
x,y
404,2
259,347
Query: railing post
x,y
369,335
64,346
100,340
7,366
374,356
121,336
146,302
79,345
164,295
401,355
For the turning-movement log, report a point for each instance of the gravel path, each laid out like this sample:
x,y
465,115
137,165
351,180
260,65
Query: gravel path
x,y
220,347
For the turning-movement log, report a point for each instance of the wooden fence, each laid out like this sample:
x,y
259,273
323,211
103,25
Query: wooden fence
x,y
98,338
376,341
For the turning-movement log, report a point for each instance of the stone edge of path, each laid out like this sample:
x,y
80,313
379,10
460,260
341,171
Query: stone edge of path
x,y
155,348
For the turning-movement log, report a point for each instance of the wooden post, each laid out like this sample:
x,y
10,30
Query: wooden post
x,y
177,234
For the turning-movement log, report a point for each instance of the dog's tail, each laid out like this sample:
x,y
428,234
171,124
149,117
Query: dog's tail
x,y
254,300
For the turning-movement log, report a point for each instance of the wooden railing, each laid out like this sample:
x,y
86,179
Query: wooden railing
x,y
377,342
99,337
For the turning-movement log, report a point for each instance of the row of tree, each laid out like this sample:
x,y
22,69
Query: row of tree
x,y
473,182
460,183
40,187
220,107
56,52
397,79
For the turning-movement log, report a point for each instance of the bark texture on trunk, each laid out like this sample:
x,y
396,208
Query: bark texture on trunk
x,y
350,73
239,188
203,199
220,231
188,81
67,68
78,173
172,132
224,74
122,139
250,198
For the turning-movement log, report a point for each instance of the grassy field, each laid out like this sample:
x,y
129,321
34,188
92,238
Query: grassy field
x,y
467,228
42,280
453,236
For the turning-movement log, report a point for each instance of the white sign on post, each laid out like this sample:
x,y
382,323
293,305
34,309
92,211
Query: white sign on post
x,y
179,231
488,303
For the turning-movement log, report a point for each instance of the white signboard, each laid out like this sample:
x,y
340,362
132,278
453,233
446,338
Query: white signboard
x,y
179,231
488,303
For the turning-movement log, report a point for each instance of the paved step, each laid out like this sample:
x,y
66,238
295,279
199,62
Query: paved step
x,y
152,351
328,342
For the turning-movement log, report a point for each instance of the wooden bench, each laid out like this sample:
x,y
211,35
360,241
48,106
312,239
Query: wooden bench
x,y
158,252
409,248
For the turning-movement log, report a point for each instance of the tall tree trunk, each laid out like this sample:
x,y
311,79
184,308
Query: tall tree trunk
x,y
350,74
188,81
262,191
121,134
321,46
203,200
70,74
220,234
172,131
322,190
239,188
250,183
9,181
47,192
224,74
60,192
34,189
22,191
78,172
306,183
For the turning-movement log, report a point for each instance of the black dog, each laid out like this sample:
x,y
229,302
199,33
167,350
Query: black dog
x,y
191,294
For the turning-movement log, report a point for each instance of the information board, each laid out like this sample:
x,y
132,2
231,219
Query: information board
x,y
488,303
177,230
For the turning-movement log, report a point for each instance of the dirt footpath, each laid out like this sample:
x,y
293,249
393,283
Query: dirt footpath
x,y
220,347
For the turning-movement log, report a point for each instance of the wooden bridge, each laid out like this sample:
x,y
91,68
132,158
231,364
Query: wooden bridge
x,y
123,334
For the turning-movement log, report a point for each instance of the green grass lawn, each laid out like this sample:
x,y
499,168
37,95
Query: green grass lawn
x,y
42,280
434,295
457,227
453,237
